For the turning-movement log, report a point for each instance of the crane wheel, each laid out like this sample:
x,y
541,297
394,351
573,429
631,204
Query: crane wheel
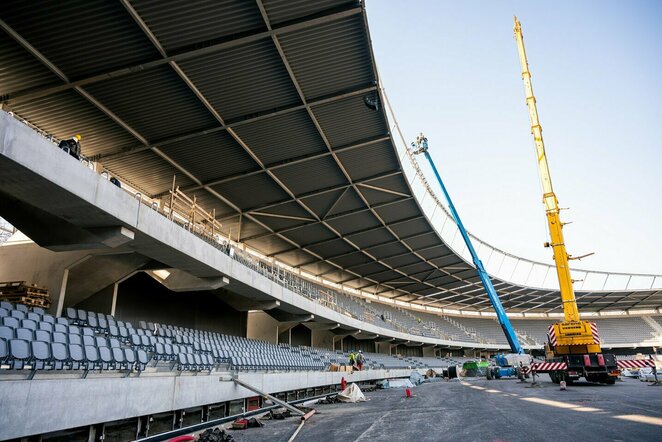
x,y
554,376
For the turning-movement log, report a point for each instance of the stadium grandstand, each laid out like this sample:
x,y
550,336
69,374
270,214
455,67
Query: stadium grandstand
x,y
243,206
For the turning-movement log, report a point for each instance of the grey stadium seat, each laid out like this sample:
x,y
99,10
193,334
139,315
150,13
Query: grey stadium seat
x,y
130,357
34,317
60,337
42,335
10,321
141,360
7,332
60,355
18,314
19,353
76,356
41,353
24,333
91,357
75,339
4,350
119,358
45,326
59,328
106,357
29,323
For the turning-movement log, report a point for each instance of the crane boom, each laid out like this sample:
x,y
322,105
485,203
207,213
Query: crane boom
x,y
549,197
573,338
421,146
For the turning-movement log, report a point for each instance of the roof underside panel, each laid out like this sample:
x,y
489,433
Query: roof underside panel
x,y
212,156
147,171
280,11
329,58
26,71
155,103
283,137
179,25
80,38
243,80
350,121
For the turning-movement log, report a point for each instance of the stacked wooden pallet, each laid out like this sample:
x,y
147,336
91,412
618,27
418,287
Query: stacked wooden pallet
x,y
18,292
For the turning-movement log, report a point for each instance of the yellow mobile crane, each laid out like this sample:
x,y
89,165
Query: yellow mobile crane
x,y
573,348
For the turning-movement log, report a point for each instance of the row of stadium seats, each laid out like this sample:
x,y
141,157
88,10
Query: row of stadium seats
x,y
90,341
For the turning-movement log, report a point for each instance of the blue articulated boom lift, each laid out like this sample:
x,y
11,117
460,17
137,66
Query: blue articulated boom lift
x,y
507,362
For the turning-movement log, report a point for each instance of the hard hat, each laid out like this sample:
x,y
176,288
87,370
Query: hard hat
x,y
360,351
77,136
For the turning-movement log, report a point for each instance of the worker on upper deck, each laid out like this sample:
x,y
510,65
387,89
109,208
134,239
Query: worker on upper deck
x,y
72,145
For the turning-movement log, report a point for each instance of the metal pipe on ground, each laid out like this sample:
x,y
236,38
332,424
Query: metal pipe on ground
x,y
304,418
273,399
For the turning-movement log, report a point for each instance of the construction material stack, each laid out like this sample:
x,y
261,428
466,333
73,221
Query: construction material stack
x,y
18,292
573,349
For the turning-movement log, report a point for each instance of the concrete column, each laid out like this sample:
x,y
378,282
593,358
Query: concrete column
x,y
63,291
114,302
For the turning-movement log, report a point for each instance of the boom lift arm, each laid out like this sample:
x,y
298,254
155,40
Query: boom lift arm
x,y
421,146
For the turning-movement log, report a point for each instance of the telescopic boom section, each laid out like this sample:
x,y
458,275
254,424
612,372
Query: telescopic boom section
x,y
549,198
421,146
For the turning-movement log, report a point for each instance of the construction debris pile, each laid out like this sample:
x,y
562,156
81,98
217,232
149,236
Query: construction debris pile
x,y
215,435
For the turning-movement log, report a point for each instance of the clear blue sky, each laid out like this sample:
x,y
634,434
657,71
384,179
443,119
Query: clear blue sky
x,y
451,70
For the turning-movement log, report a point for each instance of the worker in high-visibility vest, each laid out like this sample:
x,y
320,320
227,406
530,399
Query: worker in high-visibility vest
x,y
352,358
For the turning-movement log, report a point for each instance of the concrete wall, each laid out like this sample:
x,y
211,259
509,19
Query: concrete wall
x,y
300,335
428,352
100,302
405,350
351,343
261,326
284,336
142,298
26,261
322,339
383,347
